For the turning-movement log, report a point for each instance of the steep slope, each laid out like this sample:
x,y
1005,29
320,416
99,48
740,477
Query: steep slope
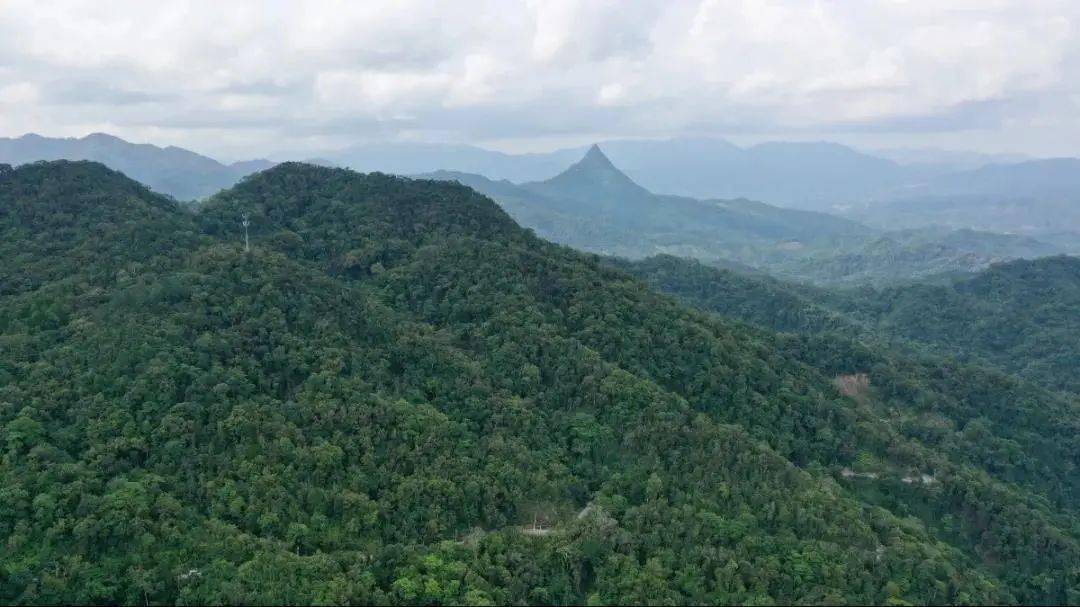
x,y
900,369
175,171
595,182
400,396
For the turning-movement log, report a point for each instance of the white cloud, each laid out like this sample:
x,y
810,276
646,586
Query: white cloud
x,y
239,76
18,94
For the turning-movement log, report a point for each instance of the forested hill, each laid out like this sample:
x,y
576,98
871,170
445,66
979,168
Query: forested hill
x,y
1022,316
399,396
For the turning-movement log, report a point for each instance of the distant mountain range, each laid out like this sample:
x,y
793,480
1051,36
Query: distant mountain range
x,y
952,159
596,207
802,175
1035,198
810,175
180,173
1040,198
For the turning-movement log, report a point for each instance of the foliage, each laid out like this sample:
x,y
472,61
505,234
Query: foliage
x,y
378,402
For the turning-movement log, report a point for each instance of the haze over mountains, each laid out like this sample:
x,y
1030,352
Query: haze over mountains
x,y
180,173
606,201
596,207
815,175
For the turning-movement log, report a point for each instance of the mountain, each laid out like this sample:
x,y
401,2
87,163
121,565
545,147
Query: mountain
x,y
175,171
402,158
804,175
596,182
810,175
596,207
890,189
1023,316
399,396
807,175
1052,177
1039,198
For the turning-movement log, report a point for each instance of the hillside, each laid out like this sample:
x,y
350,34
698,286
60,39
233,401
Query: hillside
x,y
180,173
400,396
1021,317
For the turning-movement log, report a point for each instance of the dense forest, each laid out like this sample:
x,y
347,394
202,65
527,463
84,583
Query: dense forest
x,y
1022,316
398,395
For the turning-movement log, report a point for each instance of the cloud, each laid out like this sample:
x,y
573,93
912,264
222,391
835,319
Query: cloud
x,y
248,78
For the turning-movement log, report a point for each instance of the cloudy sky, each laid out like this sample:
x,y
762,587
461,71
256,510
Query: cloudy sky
x,y
237,79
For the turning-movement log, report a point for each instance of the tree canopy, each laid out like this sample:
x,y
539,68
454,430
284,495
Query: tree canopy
x,y
400,396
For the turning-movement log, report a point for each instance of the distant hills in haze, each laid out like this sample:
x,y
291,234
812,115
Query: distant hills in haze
x,y
180,173
595,206
1040,198
809,175
697,198
818,176
803,175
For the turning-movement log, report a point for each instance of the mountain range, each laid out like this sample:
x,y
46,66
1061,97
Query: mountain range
x,y
180,173
1038,197
596,207
804,175
813,175
383,390
599,207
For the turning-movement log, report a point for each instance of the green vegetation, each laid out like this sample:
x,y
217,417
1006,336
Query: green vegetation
x,y
1022,317
399,396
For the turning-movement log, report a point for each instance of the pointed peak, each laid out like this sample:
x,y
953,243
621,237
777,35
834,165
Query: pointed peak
x,y
593,178
596,156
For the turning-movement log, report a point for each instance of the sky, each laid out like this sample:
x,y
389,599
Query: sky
x,y
241,79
